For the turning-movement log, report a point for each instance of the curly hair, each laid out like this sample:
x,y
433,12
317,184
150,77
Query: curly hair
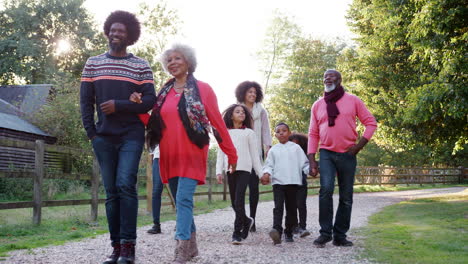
x,y
186,51
129,20
242,89
227,116
300,139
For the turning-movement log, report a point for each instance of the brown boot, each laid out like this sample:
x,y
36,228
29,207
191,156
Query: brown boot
x,y
183,252
112,259
193,245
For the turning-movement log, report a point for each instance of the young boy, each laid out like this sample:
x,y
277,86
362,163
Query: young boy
x,y
285,163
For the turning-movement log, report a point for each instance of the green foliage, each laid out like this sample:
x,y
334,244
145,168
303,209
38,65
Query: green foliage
x,y
419,231
30,31
410,69
291,99
277,46
159,25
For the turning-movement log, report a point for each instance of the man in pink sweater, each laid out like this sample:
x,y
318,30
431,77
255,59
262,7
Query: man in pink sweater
x,y
333,125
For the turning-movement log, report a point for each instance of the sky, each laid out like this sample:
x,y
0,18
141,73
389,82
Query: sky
x,y
227,34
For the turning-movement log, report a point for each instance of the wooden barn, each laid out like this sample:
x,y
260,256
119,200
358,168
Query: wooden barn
x,y
16,103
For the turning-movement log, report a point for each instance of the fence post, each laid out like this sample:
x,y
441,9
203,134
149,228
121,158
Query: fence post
x,y
38,178
149,183
224,186
210,170
94,190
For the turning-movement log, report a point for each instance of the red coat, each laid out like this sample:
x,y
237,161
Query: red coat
x,y
178,155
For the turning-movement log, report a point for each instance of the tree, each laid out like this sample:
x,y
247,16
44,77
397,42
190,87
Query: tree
x,y
410,68
292,99
160,24
277,45
31,30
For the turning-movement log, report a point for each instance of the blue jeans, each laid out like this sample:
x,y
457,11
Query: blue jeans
x,y
343,165
184,188
119,168
158,187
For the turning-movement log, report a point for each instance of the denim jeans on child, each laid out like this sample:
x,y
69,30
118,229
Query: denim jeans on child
x,y
157,192
343,165
119,167
285,196
254,193
238,182
184,189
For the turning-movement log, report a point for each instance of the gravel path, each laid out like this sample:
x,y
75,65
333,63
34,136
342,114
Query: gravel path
x,y
214,232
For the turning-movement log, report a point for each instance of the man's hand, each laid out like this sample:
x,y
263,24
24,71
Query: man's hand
x,y
108,107
265,179
313,166
219,177
232,168
136,98
354,150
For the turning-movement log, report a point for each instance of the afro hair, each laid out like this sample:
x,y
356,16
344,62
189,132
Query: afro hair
x,y
129,20
242,89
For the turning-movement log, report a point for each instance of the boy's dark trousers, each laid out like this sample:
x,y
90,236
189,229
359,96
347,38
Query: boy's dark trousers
x,y
238,182
301,202
285,195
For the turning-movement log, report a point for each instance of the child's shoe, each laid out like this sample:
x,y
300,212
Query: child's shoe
x,y
288,238
247,226
275,236
236,239
303,232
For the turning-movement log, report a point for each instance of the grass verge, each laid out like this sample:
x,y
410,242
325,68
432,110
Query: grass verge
x,y
432,230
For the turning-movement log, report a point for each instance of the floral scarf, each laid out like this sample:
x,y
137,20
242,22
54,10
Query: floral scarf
x,y
191,111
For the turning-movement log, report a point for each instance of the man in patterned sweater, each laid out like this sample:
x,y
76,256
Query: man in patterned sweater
x,y
107,82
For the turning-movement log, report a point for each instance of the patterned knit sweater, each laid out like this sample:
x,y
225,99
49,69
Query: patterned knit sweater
x,y
106,78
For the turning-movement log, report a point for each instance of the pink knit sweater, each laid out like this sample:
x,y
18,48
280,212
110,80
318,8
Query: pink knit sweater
x,y
343,135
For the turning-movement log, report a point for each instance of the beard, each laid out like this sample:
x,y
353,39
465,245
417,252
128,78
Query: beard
x,y
118,47
329,88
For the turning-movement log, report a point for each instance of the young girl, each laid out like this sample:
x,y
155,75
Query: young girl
x,y
239,123
301,140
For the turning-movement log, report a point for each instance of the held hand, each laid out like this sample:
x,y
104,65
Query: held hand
x,y
265,179
219,177
313,168
232,168
108,107
136,98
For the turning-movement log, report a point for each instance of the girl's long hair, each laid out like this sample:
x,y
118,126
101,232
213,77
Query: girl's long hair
x,y
227,116
301,140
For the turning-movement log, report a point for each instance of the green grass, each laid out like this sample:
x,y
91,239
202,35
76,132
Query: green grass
x,y
66,223
428,231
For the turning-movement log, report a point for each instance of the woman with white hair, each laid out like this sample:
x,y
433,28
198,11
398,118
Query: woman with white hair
x,y
180,121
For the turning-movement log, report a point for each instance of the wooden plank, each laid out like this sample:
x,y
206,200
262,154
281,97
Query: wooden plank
x,y
95,190
38,178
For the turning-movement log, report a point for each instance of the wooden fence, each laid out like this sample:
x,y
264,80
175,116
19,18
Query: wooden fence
x,y
42,169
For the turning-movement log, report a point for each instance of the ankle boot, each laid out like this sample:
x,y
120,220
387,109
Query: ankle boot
x,y
193,245
112,259
183,252
127,254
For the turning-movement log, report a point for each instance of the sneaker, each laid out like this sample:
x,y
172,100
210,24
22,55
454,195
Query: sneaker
x,y
303,232
156,229
288,238
296,230
248,225
342,242
236,240
321,241
275,236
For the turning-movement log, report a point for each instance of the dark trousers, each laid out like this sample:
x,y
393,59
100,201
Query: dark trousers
x,y
119,167
238,182
285,195
253,193
343,165
301,204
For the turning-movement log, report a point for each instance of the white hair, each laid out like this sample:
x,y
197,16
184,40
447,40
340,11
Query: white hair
x,y
186,51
